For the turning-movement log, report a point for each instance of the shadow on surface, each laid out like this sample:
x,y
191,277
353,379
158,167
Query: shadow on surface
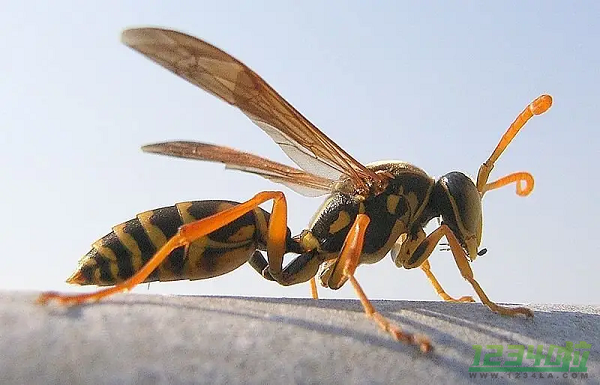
x,y
450,326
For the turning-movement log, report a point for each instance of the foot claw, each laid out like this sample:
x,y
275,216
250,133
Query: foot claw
x,y
410,339
524,311
66,300
514,311
466,298
425,347
46,297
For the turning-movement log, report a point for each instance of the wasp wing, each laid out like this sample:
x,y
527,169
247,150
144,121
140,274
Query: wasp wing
x,y
222,75
300,181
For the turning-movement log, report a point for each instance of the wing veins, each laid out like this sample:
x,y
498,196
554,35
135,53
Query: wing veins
x,y
301,181
230,80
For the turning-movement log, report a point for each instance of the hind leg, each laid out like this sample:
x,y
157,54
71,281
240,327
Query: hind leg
x,y
190,232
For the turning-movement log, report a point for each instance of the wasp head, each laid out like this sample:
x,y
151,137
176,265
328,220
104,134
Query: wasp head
x,y
459,204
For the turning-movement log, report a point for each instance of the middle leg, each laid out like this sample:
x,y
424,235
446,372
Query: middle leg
x,y
344,270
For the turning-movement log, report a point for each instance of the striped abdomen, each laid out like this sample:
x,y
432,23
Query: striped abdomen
x,y
122,252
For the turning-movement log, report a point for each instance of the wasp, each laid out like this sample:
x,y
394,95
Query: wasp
x,y
370,210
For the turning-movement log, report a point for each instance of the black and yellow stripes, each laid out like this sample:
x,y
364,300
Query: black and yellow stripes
x,y
122,252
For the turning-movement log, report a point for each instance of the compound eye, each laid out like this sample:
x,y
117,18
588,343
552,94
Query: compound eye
x,y
461,208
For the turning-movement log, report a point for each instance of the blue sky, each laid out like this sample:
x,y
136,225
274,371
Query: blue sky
x,y
429,83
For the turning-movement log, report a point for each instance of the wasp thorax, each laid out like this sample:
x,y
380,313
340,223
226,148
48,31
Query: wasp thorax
x,y
459,204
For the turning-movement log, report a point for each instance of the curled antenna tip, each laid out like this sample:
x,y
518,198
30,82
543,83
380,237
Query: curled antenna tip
x,y
541,104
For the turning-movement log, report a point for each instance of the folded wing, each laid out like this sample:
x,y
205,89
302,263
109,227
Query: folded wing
x,y
300,181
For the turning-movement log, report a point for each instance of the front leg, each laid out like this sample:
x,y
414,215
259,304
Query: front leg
x,y
414,250
425,266
465,269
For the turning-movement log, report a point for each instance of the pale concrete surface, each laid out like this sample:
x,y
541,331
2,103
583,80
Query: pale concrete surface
x,y
149,339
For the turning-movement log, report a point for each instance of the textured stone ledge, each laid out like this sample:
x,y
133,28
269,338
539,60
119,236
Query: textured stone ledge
x,y
152,339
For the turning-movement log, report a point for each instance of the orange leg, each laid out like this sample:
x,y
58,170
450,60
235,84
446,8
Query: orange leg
x,y
465,269
190,232
348,261
415,250
426,267
259,264
313,288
